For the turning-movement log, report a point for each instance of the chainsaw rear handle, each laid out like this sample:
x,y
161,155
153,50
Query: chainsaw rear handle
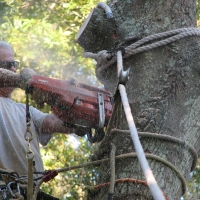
x,y
81,131
98,136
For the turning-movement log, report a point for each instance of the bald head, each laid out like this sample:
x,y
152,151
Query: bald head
x,y
5,45
6,50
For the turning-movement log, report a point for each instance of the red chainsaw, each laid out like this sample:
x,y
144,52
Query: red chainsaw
x,y
78,105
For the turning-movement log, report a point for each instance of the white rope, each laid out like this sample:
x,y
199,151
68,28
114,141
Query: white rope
x,y
119,63
151,181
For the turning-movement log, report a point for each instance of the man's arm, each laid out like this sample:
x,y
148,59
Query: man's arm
x,y
12,79
9,78
52,124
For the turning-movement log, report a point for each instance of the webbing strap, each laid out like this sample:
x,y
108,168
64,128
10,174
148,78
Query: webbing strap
x,y
30,179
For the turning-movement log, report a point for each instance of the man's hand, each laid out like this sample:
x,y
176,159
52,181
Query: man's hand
x,y
11,79
25,76
81,131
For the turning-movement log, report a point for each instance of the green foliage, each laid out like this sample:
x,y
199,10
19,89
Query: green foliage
x,y
193,191
68,151
198,10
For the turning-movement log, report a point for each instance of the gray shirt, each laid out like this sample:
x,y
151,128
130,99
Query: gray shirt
x,y
13,146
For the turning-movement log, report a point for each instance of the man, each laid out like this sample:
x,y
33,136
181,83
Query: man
x,y
13,146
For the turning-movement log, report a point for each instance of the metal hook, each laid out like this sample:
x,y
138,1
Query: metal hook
x,y
101,110
3,192
10,190
124,76
28,130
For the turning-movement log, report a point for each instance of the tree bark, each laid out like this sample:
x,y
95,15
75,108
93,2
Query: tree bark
x,y
163,92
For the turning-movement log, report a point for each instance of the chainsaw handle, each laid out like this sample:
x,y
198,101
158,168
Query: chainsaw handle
x,y
98,136
81,131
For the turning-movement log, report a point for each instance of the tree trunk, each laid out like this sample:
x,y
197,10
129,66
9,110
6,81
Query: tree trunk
x,y
163,92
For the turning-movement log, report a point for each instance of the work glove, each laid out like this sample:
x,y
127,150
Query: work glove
x,y
81,131
38,96
25,76
78,130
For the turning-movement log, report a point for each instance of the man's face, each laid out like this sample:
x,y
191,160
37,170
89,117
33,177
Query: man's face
x,y
7,54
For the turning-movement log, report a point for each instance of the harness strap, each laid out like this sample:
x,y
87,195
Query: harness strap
x,y
30,178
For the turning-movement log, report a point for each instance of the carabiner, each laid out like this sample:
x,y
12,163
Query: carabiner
x,y
10,190
3,192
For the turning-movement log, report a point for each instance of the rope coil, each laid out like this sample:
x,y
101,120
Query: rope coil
x,y
168,138
130,155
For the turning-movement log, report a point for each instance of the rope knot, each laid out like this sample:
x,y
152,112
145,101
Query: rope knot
x,y
102,58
